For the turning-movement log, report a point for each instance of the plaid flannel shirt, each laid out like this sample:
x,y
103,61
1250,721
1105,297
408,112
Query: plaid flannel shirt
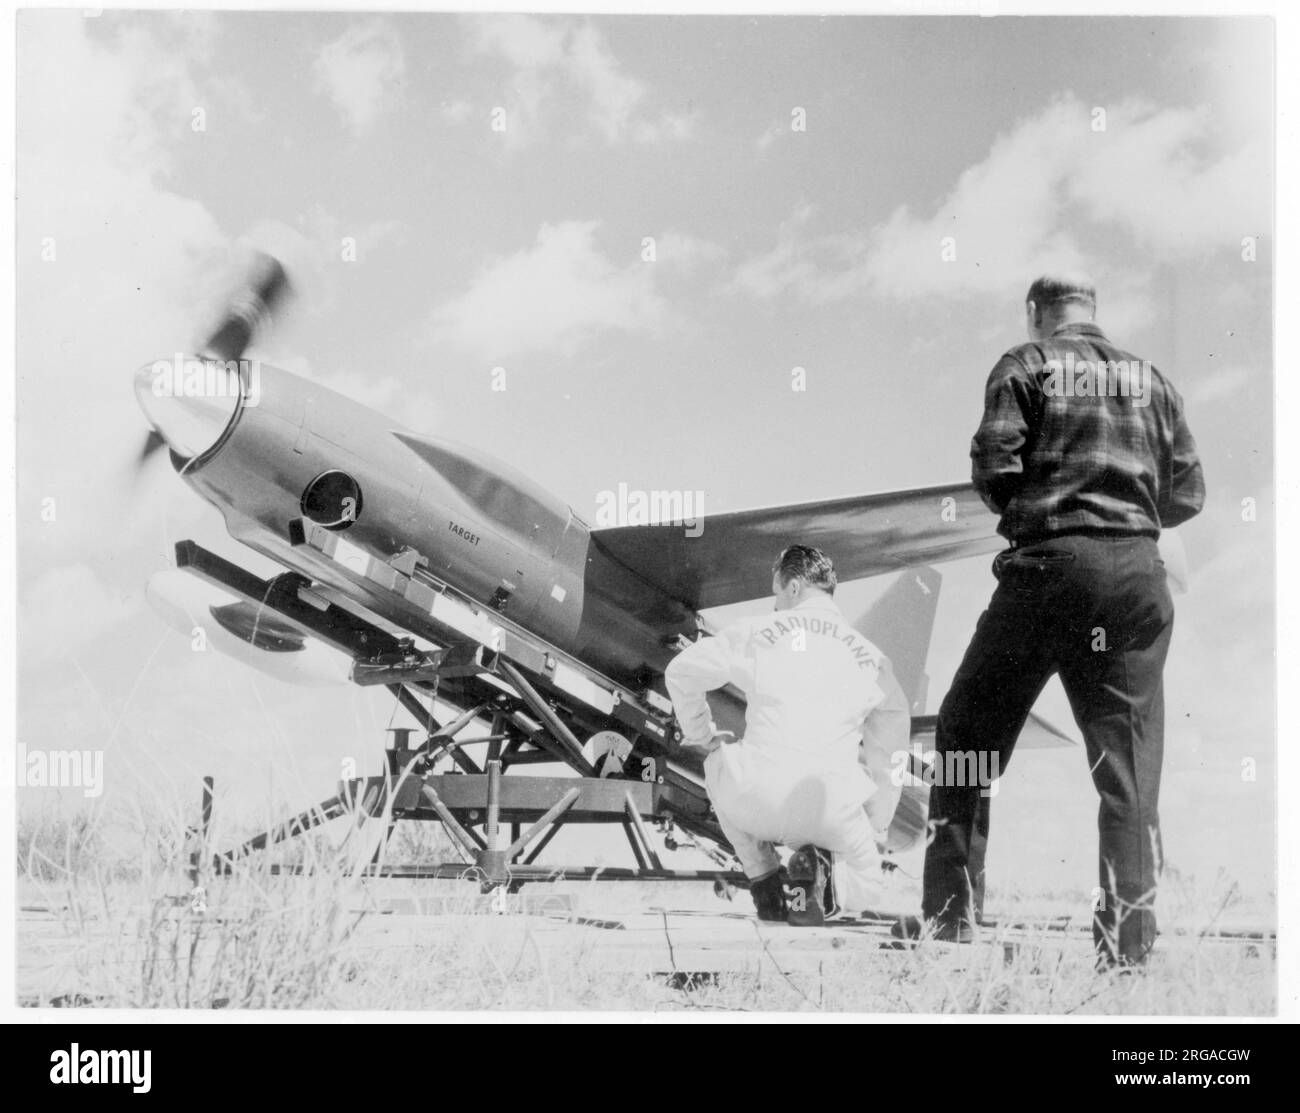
x,y
1080,436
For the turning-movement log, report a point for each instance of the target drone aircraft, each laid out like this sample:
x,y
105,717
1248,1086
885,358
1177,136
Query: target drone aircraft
x,y
424,565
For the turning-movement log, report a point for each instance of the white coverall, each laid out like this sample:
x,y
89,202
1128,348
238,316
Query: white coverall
x,y
800,773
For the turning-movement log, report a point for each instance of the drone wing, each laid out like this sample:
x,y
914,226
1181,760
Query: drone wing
x,y
865,535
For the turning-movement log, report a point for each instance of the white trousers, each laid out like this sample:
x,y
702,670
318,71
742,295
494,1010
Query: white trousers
x,y
763,797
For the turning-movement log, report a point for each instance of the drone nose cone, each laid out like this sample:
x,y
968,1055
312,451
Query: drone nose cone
x,y
191,402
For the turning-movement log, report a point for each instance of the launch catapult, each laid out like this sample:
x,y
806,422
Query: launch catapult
x,y
536,700
446,574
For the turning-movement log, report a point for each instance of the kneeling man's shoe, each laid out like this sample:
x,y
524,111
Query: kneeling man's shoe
x,y
812,893
769,897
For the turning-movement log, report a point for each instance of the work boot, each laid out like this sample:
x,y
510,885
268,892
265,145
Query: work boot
x,y
769,897
911,928
1108,961
812,893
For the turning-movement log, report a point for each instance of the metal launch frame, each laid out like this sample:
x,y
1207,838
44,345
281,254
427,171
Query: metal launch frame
x,y
536,700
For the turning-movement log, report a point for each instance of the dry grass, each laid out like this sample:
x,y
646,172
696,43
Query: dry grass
x,y
493,963
127,927
130,925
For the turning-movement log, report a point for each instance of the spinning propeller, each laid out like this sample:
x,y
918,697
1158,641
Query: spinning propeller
x,y
190,403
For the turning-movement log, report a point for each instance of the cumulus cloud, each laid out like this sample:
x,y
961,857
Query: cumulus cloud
x,y
551,296
117,290
818,268
673,126
686,252
1041,198
614,96
551,59
525,41
360,72
136,273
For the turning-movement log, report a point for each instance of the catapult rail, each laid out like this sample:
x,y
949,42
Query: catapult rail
x,y
478,650
432,610
534,696
362,606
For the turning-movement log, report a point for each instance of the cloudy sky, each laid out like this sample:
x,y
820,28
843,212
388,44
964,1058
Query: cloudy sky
x,y
459,195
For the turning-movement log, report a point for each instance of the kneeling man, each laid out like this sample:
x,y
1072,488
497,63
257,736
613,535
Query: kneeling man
x,y
799,776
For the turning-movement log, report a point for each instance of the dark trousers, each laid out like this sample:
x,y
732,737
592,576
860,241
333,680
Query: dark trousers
x,y
1098,611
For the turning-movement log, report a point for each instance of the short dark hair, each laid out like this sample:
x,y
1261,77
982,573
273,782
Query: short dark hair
x,y
1050,290
811,565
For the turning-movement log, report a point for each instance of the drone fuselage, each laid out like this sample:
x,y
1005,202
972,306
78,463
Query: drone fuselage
x,y
296,449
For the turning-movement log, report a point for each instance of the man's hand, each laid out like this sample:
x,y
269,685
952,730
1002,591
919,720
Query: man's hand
x,y
719,738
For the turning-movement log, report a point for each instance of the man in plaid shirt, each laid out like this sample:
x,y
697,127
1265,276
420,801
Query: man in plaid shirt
x,y
1084,453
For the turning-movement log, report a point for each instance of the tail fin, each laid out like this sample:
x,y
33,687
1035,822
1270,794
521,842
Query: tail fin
x,y
901,623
